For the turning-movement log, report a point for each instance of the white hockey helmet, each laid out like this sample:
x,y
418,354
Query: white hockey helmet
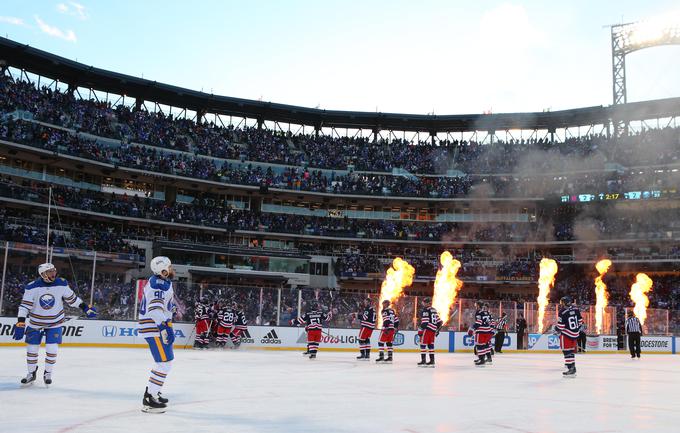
x,y
44,268
160,264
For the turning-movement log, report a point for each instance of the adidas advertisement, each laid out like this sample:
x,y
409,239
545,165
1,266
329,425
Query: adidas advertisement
x,y
246,338
271,338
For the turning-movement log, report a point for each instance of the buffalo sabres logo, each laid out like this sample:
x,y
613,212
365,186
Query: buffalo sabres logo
x,y
47,301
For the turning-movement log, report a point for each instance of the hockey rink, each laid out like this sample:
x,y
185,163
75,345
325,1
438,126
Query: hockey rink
x,y
100,390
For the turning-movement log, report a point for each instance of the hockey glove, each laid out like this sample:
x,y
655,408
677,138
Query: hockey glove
x,y
19,329
167,333
89,310
556,330
470,332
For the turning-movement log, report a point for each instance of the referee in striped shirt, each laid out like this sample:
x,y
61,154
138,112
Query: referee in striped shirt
x,y
634,331
501,330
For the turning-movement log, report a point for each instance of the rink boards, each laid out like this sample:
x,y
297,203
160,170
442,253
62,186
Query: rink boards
x,y
104,333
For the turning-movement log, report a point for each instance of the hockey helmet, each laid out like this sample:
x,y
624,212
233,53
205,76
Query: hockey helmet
x,y
44,270
160,264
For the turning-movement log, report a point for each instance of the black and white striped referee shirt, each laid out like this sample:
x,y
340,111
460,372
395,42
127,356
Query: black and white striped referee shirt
x,y
502,323
633,325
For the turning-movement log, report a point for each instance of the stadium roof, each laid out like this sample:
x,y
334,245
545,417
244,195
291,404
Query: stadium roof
x,y
80,75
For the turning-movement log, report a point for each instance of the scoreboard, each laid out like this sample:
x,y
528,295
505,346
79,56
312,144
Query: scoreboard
x,y
608,196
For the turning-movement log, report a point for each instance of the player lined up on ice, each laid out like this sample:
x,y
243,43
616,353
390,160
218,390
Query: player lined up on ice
x,y
313,322
569,322
367,319
43,305
483,331
155,325
430,323
390,327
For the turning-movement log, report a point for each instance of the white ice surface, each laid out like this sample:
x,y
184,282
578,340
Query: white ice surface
x,y
100,390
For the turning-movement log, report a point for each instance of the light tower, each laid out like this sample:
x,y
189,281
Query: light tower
x,y
630,37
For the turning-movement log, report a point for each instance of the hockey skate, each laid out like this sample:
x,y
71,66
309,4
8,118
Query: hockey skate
x,y
162,399
312,356
480,362
47,378
364,356
430,363
29,379
381,358
151,404
570,373
422,363
388,360
489,359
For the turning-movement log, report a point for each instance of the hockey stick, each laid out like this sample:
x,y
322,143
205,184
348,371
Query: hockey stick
x,y
210,325
193,331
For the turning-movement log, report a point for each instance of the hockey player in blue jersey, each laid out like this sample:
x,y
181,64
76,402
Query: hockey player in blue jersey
x,y
43,305
568,325
155,325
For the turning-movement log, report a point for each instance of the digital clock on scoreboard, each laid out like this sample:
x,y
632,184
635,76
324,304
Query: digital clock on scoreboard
x,y
630,195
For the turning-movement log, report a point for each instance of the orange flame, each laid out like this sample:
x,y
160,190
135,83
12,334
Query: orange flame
x,y
638,293
446,286
601,295
546,279
398,276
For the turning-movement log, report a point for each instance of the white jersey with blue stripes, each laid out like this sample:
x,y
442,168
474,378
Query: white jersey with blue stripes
x,y
156,306
43,303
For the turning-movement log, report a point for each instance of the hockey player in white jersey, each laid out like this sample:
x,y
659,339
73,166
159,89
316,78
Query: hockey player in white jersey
x,y
41,314
155,325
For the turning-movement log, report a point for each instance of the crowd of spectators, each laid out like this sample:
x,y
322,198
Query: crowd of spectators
x,y
319,150
90,236
208,211
184,147
159,160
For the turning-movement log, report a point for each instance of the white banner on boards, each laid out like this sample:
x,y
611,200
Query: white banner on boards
x,y
651,343
124,333
85,331
107,332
